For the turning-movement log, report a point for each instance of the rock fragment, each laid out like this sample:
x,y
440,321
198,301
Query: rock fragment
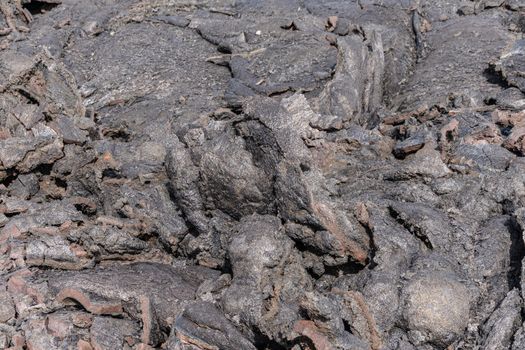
x,y
111,333
202,325
7,308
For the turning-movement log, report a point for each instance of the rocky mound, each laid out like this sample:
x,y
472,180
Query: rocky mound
x,y
282,174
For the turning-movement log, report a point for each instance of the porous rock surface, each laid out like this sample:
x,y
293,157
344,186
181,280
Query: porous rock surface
x,y
244,174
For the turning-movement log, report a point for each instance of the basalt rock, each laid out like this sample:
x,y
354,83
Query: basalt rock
x,y
261,174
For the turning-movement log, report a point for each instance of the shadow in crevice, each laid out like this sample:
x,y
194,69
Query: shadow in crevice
x,y
495,77
39,7
517,252
262,342
349,268
303,343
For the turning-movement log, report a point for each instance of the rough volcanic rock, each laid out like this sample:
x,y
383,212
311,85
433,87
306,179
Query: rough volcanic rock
x,y
208,174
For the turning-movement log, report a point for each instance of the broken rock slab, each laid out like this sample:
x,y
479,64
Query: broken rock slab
x,y
103,289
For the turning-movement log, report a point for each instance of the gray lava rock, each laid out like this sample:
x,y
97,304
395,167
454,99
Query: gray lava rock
x,y
436,308
503,323
209,174
201,323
